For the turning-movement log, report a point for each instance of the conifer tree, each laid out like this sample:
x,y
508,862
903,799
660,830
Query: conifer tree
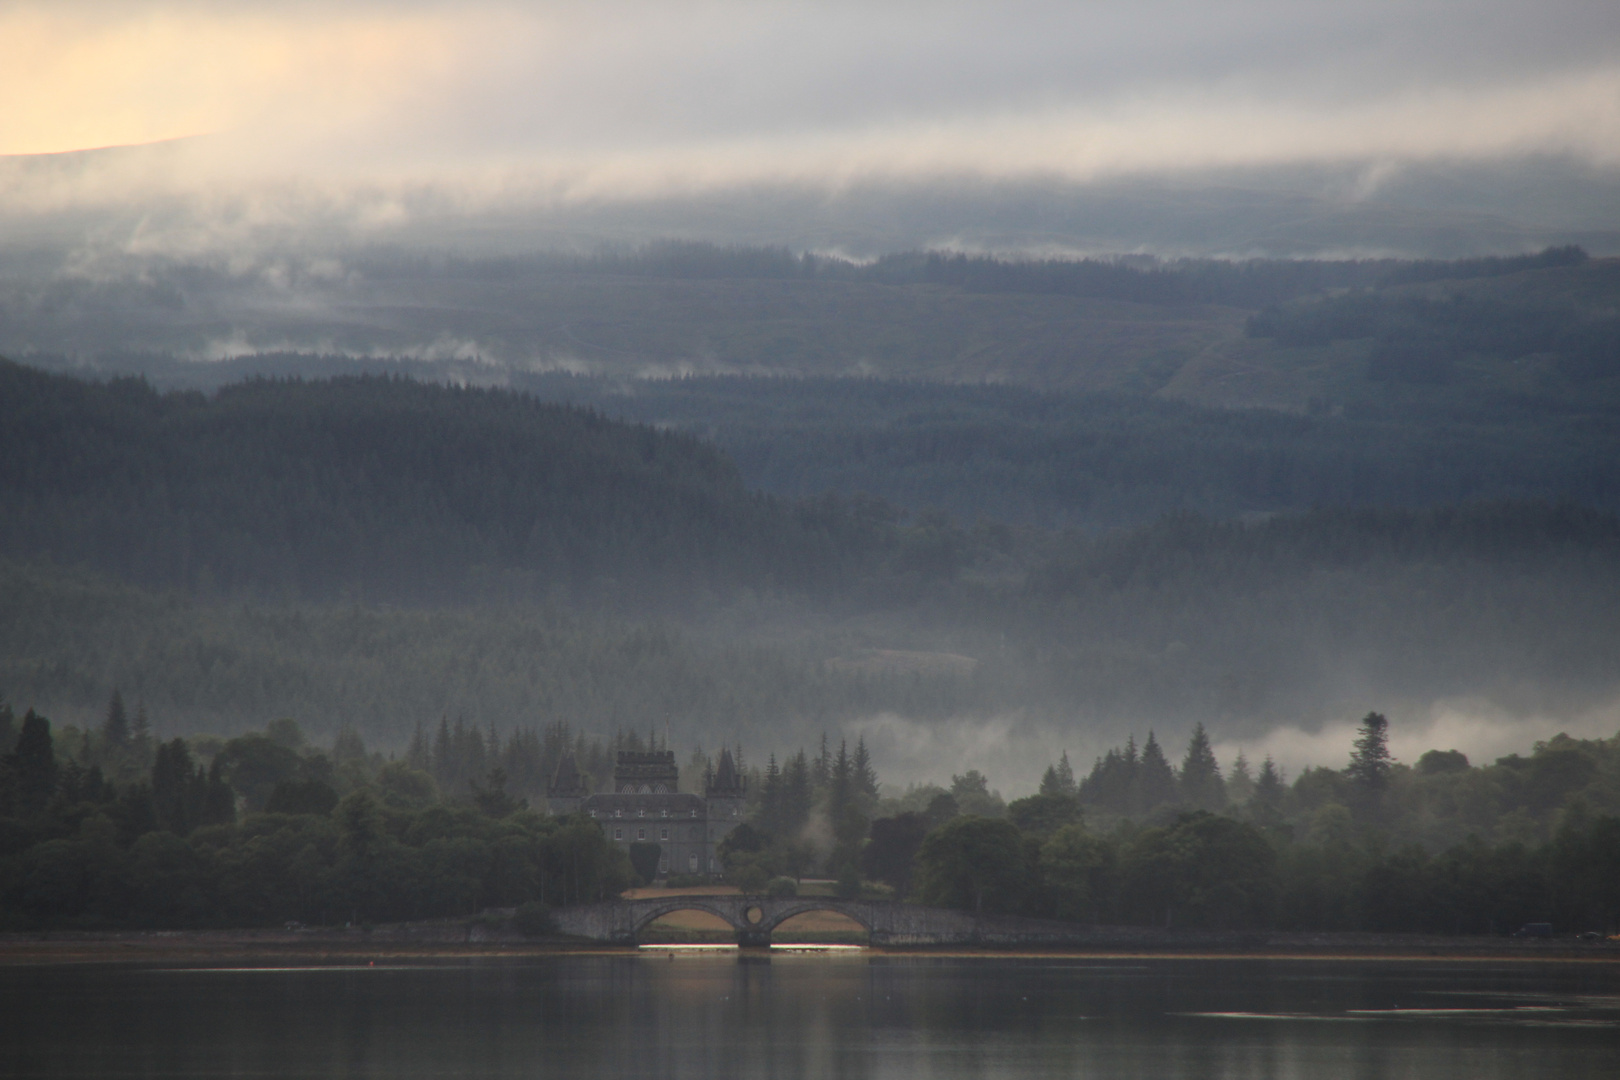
x,y
1156,780
1059,779
821,773
418,756
1201,783
115,728
443,755
1240,782
31,765
8,728
839,781
1370,761
1269,789
140,733
219,801
865,777
770,798
1049,781
797,793
173,783
1113,780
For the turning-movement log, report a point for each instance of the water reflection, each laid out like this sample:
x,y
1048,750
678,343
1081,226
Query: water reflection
x,y
676,1013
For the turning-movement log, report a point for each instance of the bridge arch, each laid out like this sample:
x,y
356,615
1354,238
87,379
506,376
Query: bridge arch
x,y
739,913
648,913
783,910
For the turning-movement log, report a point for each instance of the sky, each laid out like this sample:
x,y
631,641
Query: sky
x,y
369,112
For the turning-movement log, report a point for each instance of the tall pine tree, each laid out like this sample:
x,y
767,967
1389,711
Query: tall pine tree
x,y
1370,762
115,728
1201,785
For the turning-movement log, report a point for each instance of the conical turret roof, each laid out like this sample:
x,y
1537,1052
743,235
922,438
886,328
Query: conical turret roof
x,y
567,781
727,780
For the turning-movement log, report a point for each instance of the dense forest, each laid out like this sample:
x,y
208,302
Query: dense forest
x,y
1438,846
1135,326
386,489
1054,459
113,827
1295,619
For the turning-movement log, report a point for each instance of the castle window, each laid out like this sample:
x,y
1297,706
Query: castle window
x,y
641,834
618,834
663,834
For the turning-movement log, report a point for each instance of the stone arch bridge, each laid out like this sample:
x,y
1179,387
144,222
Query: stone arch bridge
x,y
755,917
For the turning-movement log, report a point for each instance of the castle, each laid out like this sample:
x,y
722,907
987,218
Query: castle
x,y
646,806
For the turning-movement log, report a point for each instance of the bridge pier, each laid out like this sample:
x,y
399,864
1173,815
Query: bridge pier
x,y
751,937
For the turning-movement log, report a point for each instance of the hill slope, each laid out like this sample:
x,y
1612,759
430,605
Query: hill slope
x,y
384,489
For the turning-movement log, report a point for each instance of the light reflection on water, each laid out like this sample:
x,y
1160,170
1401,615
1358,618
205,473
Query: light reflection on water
x,y
689,1013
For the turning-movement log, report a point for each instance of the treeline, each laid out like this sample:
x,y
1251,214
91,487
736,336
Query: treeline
x,y
1436,802
67,640
1243,625
1423,339
270,831
806,815
387,489
1357,848
1055,460
1248,625
114,828
1239,283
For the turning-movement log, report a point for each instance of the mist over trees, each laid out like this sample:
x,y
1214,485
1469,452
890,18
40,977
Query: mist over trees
x,y
1514,599
449,587
272,829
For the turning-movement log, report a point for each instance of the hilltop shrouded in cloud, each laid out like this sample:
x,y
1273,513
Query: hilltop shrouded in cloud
x,y
376,116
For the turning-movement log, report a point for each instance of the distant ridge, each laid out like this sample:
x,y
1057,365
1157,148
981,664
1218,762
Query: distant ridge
x,y
383,488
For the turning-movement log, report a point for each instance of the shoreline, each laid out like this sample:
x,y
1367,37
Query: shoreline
x,y
452,941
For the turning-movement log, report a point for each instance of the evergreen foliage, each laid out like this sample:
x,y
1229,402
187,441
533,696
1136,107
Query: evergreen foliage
x,y
389,489
1200,782
1059,779
1155,779
1370,762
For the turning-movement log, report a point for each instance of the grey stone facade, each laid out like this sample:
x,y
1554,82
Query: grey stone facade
x,y
646,806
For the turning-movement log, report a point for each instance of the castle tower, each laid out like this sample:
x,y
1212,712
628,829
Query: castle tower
x,y
568,788
726,795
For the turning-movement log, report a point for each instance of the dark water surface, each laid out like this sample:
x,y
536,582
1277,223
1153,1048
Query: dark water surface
x,y
796,1015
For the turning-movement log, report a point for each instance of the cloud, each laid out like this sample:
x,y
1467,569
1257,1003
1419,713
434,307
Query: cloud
x,y
365,116
1010,752
1013,750
1480,730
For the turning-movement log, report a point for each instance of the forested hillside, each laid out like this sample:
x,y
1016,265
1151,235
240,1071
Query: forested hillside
x,y
1172,328
1300,619
384,489
1054,459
